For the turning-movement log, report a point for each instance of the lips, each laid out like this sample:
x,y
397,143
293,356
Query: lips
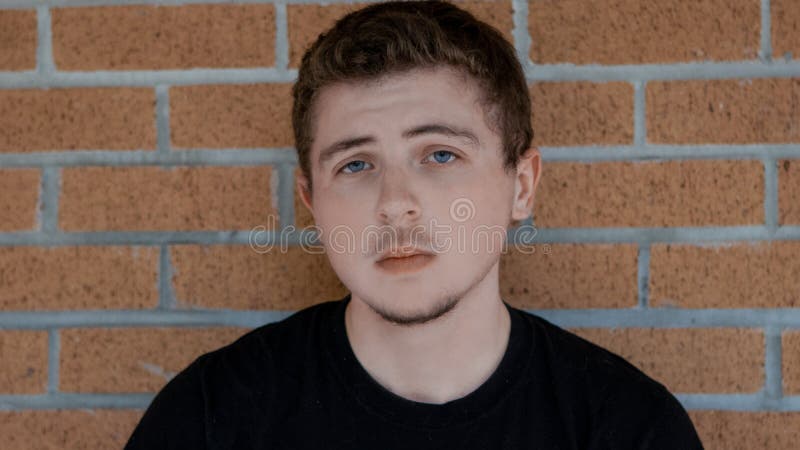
x,y
411,262
403,253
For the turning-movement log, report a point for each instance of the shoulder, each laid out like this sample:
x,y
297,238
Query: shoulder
x,y
275,340
290,327
577,358
261,359
625,407
223,389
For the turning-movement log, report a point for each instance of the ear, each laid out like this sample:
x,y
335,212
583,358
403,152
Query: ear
x,y
304,191
529,172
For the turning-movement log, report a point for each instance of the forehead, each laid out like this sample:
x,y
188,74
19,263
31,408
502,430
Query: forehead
x,y
396,102
421,85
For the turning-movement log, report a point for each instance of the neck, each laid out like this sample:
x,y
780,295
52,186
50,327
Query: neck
x,y
440,360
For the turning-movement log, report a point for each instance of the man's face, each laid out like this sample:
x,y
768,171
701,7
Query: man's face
x,y
391,189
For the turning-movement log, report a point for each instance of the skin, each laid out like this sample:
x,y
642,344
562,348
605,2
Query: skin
x,y
436,334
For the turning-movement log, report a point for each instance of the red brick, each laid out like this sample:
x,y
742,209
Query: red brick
x,y
82,277
307,21
18,39
19,194
77,119
785,28
545,276
723,111
153,198
791,362
582,113
497,13
747,430
789,191
690,360
634,32
245,277
155,37
650,194
67,429
24,357
223,116
731,275
119,360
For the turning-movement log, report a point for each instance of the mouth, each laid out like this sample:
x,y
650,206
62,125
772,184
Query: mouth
x,y
403,253
405,263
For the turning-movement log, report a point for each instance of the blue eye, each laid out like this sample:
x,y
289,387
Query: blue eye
x,y
357,165
441,156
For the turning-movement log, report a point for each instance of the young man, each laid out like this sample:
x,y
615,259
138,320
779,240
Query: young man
x,y
414,117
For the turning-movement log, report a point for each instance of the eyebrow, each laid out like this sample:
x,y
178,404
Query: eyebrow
x,y
431,128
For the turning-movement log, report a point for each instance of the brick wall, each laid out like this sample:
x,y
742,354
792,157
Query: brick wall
x,y
140,143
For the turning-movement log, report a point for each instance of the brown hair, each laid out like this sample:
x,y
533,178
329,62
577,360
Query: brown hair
x,y
395,36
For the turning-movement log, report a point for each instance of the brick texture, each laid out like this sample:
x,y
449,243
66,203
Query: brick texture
x,y
731,275
152,198
73,274
497,13
223,116
785,29
582,113
163,37
133,359
723,111
19,193
745,430
569,276
791,362
17,39
82,277
650,194
690,360
632,31
789,191
24,362
67,429
306,22
77,119
244,277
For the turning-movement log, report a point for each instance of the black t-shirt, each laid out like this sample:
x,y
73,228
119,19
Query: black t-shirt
x,y
296,384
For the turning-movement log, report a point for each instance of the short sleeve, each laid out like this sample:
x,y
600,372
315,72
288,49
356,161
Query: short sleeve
x,y
175,419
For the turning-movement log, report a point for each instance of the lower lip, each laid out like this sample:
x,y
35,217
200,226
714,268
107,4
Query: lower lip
x,y
406,264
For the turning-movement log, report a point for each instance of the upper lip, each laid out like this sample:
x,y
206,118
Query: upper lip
x,y
402,253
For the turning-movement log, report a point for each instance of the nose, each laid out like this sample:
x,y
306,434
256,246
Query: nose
x,y
397,204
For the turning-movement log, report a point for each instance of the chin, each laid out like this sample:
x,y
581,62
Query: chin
x,y
416,294
411,308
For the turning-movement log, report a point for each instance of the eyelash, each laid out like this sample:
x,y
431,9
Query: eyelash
x,y
429,155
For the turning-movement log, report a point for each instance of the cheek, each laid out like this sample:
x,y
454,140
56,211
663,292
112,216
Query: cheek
x,y
331,215
341,208
342,227
486,204
485,231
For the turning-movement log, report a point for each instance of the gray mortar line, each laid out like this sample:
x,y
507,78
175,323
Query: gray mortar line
x,y
45,66
588,317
